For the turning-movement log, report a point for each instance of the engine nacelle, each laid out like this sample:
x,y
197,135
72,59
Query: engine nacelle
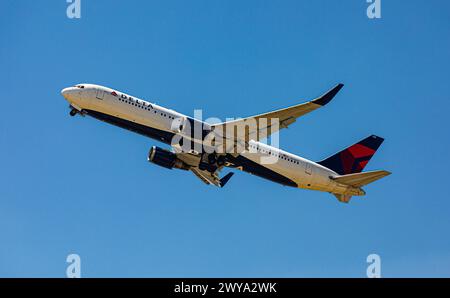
x,y
165,159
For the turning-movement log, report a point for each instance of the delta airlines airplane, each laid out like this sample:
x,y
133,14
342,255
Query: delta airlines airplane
x,y
340,174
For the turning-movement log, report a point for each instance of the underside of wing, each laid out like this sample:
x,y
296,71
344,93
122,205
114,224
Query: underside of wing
x,y
211,178
205,176
195,163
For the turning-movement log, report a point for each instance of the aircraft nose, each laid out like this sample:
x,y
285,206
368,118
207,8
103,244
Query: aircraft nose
x,y
66,91
71,94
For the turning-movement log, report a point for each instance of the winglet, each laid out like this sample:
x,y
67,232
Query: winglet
x,y
225,179
327,97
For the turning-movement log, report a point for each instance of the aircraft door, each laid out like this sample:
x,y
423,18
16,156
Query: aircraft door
x,y
100,94
308,168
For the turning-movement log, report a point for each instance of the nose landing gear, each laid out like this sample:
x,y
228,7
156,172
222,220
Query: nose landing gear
x,y
73,112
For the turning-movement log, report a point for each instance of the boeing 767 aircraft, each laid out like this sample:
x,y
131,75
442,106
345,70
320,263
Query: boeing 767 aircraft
x,y
340,174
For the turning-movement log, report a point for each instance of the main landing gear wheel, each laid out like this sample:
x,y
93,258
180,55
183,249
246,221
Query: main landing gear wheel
x,y
73,112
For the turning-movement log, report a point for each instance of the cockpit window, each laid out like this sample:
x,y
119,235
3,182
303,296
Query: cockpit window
x,y
79,86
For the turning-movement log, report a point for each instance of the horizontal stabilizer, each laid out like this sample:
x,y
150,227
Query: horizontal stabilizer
x,y
360,179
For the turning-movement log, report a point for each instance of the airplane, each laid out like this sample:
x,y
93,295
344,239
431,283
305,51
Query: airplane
x,y
340,174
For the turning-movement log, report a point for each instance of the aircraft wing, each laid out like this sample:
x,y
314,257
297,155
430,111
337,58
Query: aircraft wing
x,y
211,178
262,126
192,161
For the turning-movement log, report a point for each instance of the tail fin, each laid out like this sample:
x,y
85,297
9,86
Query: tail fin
x,y
354,158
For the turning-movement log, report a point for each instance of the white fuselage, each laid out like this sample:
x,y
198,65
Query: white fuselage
x,y
139,114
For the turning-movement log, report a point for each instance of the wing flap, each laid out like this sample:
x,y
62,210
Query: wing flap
x,y
210,178
202,176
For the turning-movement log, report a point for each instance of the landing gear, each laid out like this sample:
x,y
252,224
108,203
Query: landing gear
x,y
73,112
211,162
221,160
212,159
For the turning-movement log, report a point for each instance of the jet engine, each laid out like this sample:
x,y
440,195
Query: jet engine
x,y
165,159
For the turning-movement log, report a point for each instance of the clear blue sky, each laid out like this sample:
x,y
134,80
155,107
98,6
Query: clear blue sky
x,y
76,185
